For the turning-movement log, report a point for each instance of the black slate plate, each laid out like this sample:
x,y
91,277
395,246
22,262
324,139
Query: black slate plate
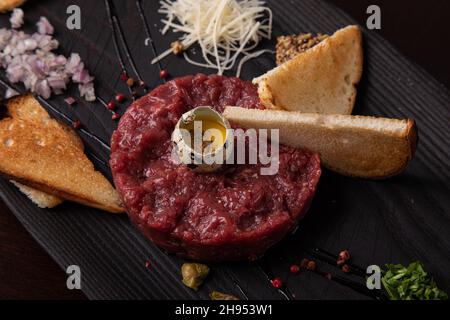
x,y
397,220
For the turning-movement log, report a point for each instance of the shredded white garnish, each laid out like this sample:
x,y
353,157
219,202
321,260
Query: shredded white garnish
x,y
250,56
224,29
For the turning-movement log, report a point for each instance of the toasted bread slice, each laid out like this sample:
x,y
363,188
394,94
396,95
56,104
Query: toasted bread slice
x,y
41,199
7,5
319,80
358,146
22,107
41,153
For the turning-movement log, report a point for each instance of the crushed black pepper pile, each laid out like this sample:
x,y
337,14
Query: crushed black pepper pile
x,y
290,46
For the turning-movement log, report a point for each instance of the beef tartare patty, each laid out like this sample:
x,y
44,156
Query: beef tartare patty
x,y
231,214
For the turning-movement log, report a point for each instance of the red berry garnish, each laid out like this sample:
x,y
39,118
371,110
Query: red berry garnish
x,y
277,283
120,97
311,265
304,263
115,116
340,262
163,74
294,269
123,77
344,255
346,268
76,124
111,105
130,82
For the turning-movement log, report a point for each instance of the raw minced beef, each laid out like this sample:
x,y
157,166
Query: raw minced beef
x,y
232,214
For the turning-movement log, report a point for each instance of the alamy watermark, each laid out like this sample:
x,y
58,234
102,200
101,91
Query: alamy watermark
x,y
373,280
374,20
73,21
74,279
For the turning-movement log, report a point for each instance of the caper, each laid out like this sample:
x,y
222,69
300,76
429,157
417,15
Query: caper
x,y
216,295
194,274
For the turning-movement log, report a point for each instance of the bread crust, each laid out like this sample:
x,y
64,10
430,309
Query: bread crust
x,y
64,195
41,199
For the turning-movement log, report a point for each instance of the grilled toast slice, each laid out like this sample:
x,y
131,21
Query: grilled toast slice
x,y
21,108
357,146
42,153
322,79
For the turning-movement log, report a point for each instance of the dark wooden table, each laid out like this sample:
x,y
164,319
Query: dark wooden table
x,y
419,29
